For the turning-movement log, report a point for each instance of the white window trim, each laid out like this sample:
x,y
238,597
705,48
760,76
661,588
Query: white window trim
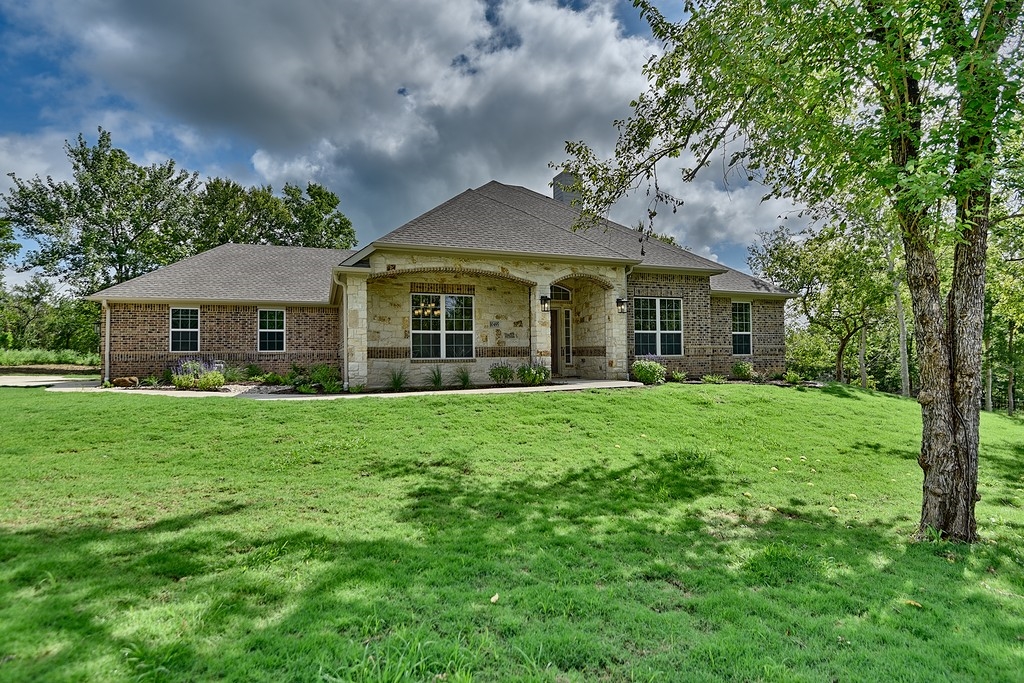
x,y
657,323
283,330
172,329
568,294
750,333
443,332
567,355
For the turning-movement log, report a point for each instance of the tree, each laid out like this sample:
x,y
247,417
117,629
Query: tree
x,y
836,281
316,221
828,103
114,221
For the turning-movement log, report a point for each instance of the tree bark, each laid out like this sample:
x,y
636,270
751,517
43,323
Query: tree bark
x,y
861,358
1010,403
844,341
901,319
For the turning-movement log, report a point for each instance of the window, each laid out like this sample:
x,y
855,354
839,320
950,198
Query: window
x,y
271,332
442,326
741,328
185,329
560,293
567,336
658,327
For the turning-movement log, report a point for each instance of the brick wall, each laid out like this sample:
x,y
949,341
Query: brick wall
x,y
768,336
140,338
695,292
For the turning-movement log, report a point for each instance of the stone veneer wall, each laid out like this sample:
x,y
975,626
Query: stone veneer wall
x,y
768,336
695,292
590,318
140,337
501,325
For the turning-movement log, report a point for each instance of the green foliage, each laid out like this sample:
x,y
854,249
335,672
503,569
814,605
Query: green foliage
x,y
271,379
167,377
235,373
533,374
252,371
501,373
463,377
210,381
150,381
114,221
678,376
195,373
435,379
714,379
10,357
356,388
792,377
398,378
743,370
648,371
35,315
327,377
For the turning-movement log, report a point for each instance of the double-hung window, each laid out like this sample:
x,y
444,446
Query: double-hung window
x,y
185,329
442,326
658,326
741,345
271,330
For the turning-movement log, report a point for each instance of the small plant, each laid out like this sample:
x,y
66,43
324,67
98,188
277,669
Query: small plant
x,y
463,377
713,379
792,377
648,370
253,371
436,378
305,388
678,376
533,374
167,377
397,379
271,379
357,388
209,381
501,373
150,381
743,370
757,377
235,373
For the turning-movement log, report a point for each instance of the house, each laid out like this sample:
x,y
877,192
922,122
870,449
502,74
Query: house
x,y
495,274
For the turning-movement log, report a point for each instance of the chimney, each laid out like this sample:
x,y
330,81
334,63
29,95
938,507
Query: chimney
x,y
560,185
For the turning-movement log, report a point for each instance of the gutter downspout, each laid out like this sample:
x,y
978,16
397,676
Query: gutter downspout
x,y
106,342
343,318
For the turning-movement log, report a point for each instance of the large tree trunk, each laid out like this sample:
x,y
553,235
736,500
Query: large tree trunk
x,y
862,358
1010,404
844,341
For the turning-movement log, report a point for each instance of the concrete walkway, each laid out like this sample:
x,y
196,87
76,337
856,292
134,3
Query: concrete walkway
x,y
58,383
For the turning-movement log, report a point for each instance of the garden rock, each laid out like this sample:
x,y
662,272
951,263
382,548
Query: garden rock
x,y
126,382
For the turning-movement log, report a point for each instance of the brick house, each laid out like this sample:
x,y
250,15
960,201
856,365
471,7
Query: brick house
x,y
494,274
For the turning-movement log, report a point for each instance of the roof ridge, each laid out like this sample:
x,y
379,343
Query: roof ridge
x,y
576,233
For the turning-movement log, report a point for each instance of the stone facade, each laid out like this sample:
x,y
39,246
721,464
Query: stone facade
x,y
140,337
508,324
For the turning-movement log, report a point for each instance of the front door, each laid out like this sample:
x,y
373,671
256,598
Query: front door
x,y
561,343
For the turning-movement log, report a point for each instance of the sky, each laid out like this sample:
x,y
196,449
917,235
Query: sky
x,y
395,106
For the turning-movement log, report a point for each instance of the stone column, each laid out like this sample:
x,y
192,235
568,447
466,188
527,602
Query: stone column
x,y
356,319
540,324
616,346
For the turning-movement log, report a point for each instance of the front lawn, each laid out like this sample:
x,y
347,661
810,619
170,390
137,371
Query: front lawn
x,y
687,532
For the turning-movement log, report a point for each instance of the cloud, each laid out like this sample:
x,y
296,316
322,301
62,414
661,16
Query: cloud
x,y
394,105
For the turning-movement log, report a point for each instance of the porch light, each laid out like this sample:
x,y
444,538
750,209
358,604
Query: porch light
x,y
620,305
545,303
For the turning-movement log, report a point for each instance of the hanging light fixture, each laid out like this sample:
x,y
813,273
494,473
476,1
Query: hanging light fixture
x,y
545,303
620,305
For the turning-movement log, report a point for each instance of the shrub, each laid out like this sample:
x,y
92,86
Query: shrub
x,y
397,379
648,371
184,381
167,377
463,377
150,381
713,379
436,378
271,379
501,373
533,374
235,373
743,370
792,377
253,371
210,381
356,388
324,374
678,376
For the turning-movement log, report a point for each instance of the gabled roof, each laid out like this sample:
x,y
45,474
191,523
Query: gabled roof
x,y
238,272
507,219
736,282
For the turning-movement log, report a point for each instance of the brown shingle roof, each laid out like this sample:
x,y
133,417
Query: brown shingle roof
x,y
238,272
736,282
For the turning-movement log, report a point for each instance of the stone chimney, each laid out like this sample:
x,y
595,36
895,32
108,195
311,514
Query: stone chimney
x,y
560,191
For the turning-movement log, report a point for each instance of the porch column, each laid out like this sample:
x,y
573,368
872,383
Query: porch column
x,y
540,325
616,345
356,321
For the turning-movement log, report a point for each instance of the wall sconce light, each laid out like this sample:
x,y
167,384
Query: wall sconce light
x,y
620,305
545,303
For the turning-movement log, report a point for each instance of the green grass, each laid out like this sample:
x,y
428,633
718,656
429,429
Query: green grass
x,y
9,357
627,536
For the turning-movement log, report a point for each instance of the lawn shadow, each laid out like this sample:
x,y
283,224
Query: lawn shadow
x,y
601,572
839,391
